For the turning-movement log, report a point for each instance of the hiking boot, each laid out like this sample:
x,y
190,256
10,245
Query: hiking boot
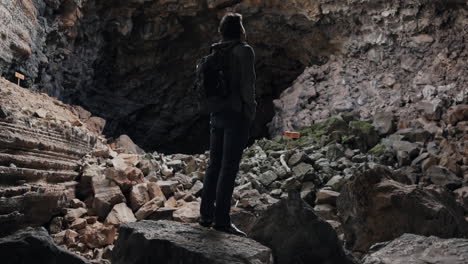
x,y
230,229
205,222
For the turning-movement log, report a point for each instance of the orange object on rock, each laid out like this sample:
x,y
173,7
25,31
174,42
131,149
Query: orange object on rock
x,y
290,134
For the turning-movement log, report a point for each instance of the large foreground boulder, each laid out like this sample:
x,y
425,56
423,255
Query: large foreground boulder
x,y
297,235
167,242
374,207
414,249
34,245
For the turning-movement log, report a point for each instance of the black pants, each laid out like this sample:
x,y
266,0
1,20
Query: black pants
x,y
229,132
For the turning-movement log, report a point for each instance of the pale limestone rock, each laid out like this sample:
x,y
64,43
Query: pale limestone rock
x,y
189,213
120,214
155,191
149,208
168,187
139,196
98,235
73,214
78,224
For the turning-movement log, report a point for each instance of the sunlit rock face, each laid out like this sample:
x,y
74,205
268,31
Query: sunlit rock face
x,y
132,62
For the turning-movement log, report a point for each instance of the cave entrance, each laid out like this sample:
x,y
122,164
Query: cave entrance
x,y
143,78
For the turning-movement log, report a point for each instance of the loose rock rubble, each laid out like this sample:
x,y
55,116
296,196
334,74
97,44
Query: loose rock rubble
x,y
322,166
116,184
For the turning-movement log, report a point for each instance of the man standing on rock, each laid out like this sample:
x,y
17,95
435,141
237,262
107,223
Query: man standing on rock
x,y
229,125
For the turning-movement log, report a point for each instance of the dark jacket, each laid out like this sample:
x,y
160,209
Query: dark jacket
x,y
241,78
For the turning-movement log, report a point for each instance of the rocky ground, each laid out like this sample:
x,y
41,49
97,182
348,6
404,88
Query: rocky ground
x,y
366,182
377,89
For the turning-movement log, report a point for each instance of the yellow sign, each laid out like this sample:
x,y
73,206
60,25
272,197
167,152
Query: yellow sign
x,y
19,75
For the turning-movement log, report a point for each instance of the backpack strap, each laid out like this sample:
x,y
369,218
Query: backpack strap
x,y
235,44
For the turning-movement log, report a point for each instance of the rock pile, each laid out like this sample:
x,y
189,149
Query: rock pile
x,y
118,187
356,175
398,58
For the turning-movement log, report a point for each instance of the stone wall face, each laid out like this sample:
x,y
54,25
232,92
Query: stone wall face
x,y
40,146
408,58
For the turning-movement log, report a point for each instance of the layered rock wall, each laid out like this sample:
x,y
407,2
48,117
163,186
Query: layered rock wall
x,y
40,145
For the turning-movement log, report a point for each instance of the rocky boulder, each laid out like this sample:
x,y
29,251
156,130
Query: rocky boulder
x,y
120,214
374,207
126,145
139,196
444,177
414,249
98,235
365,133
149,208
34,245
106,195
457,113
190,213
384,122
168,242
297,235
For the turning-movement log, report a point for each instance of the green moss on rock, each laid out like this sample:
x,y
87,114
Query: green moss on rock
x,y
362,126
273,145
378,150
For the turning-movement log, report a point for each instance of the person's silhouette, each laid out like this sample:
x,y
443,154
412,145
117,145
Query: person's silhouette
x,y
229,125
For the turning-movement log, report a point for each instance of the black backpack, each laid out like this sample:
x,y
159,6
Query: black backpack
x,y
211,83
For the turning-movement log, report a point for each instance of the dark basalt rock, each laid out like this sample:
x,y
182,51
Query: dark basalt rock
x,y
167,242
414,249
34,245
374,207
297,235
